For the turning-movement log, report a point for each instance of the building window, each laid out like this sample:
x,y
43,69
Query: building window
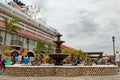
x,y
17,37
30,41
14,37
27,41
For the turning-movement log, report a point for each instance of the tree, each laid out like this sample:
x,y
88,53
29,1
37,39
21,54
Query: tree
x,y
69,51
42,47
81,54
9,28
74,52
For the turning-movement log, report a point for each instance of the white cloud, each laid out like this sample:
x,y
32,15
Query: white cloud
x,y
85,24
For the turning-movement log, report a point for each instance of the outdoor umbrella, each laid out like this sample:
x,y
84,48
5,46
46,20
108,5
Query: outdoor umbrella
x,y
30,53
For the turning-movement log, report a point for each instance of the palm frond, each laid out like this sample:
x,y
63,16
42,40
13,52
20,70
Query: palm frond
x,y
12,22
14,29
6,23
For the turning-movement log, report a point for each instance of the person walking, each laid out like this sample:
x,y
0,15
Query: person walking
x,y
117,58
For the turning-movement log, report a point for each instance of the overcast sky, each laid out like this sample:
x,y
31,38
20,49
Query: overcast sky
x,y
85,24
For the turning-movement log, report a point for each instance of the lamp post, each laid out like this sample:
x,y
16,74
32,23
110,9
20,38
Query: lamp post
x,y
27,44
113,39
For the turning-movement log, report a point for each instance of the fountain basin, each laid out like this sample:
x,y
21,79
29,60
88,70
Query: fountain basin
x,y
58,57
19,70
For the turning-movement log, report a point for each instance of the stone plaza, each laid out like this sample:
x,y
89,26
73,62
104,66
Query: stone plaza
x,y
113,77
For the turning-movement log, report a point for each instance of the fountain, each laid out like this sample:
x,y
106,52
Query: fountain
x,y
58,56
21,70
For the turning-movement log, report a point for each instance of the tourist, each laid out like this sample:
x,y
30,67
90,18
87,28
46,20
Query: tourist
x,y
41,58
78,60
72,58
105,62
26,60
117,57
8,61
18,59
2,62
36,61
37,58
88,60
31,60
49,60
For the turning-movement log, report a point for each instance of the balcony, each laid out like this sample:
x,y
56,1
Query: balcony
x,y
16,43
1,39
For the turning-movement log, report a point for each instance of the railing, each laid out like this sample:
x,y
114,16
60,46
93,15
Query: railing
x,y
23,15
16,43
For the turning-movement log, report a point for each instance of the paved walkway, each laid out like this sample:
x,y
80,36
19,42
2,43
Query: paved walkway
x,y
114,77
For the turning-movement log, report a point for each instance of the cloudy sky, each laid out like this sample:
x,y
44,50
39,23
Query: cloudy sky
x,y
85,24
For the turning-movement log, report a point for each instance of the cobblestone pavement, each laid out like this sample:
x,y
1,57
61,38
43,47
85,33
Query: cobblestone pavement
x,y
114,77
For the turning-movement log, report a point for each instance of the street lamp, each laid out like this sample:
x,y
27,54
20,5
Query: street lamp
x,y
27,44
113,39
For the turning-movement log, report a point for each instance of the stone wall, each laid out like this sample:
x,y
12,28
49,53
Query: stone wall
x,y
119,65
60,71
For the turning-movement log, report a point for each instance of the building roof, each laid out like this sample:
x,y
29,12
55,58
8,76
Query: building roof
x,y
1,24
93,52
67,47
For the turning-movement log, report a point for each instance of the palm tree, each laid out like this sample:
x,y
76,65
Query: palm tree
x,y
9,28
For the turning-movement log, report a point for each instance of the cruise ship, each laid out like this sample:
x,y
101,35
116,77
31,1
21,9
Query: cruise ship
x,y
32,30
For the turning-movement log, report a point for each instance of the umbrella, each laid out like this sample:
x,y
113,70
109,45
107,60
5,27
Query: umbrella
x,y
30,53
